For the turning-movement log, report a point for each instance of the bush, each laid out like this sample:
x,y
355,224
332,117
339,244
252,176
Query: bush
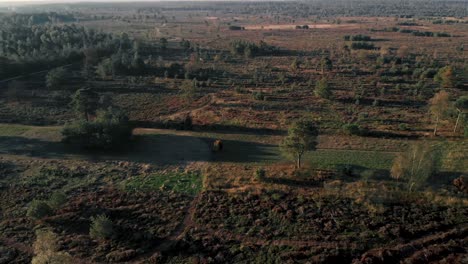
x,y
346,170
403,126
322,89
260,174
259,96
108,131
352,129
39,209
101,227
56,200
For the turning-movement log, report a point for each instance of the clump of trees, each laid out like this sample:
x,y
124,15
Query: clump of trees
x,y
26,49
363,46
39,209
232,27
357,38
301,138
128,63
250,49
96,128
109,130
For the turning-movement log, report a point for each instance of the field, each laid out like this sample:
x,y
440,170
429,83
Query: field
x,y
158,132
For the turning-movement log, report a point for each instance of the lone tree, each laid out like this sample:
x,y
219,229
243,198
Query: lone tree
x,y
462,108
439,104
101,227
302,137
39,209
416,165
326,64
445,77
85,102
322,89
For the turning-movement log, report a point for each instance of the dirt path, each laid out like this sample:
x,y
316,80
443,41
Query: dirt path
x,y
225,235
176,234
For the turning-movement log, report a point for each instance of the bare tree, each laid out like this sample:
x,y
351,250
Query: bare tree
x,y
439,104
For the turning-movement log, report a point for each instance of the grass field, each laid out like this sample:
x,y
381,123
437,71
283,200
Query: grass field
x,y
330,159
7,130
186,183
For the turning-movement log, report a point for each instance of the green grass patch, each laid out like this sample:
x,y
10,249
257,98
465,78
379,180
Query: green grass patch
x,y
187,183
9,130
330,159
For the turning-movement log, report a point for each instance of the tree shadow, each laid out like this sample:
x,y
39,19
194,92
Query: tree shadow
x,y
245,151
147,148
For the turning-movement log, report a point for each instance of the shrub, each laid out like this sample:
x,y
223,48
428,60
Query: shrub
x,y
322,89
260,174
259,96
352,129
39,209
57,199
109,130
403,126
101,227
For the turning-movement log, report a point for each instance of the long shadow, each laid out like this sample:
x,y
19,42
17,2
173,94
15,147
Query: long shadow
x,y
244,151
293,182
218,128
149,148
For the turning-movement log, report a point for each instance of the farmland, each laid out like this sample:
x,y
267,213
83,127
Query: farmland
x,y
233,132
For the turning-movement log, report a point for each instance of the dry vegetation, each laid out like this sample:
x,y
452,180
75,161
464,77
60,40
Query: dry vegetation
x,y
209,91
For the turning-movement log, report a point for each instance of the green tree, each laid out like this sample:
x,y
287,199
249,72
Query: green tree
x,y
56,77
109,130
322,89
326,64
101,227
56,200
302,137
445,77
85,102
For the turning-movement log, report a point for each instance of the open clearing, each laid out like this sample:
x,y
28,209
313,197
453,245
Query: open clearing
x,y
311,26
